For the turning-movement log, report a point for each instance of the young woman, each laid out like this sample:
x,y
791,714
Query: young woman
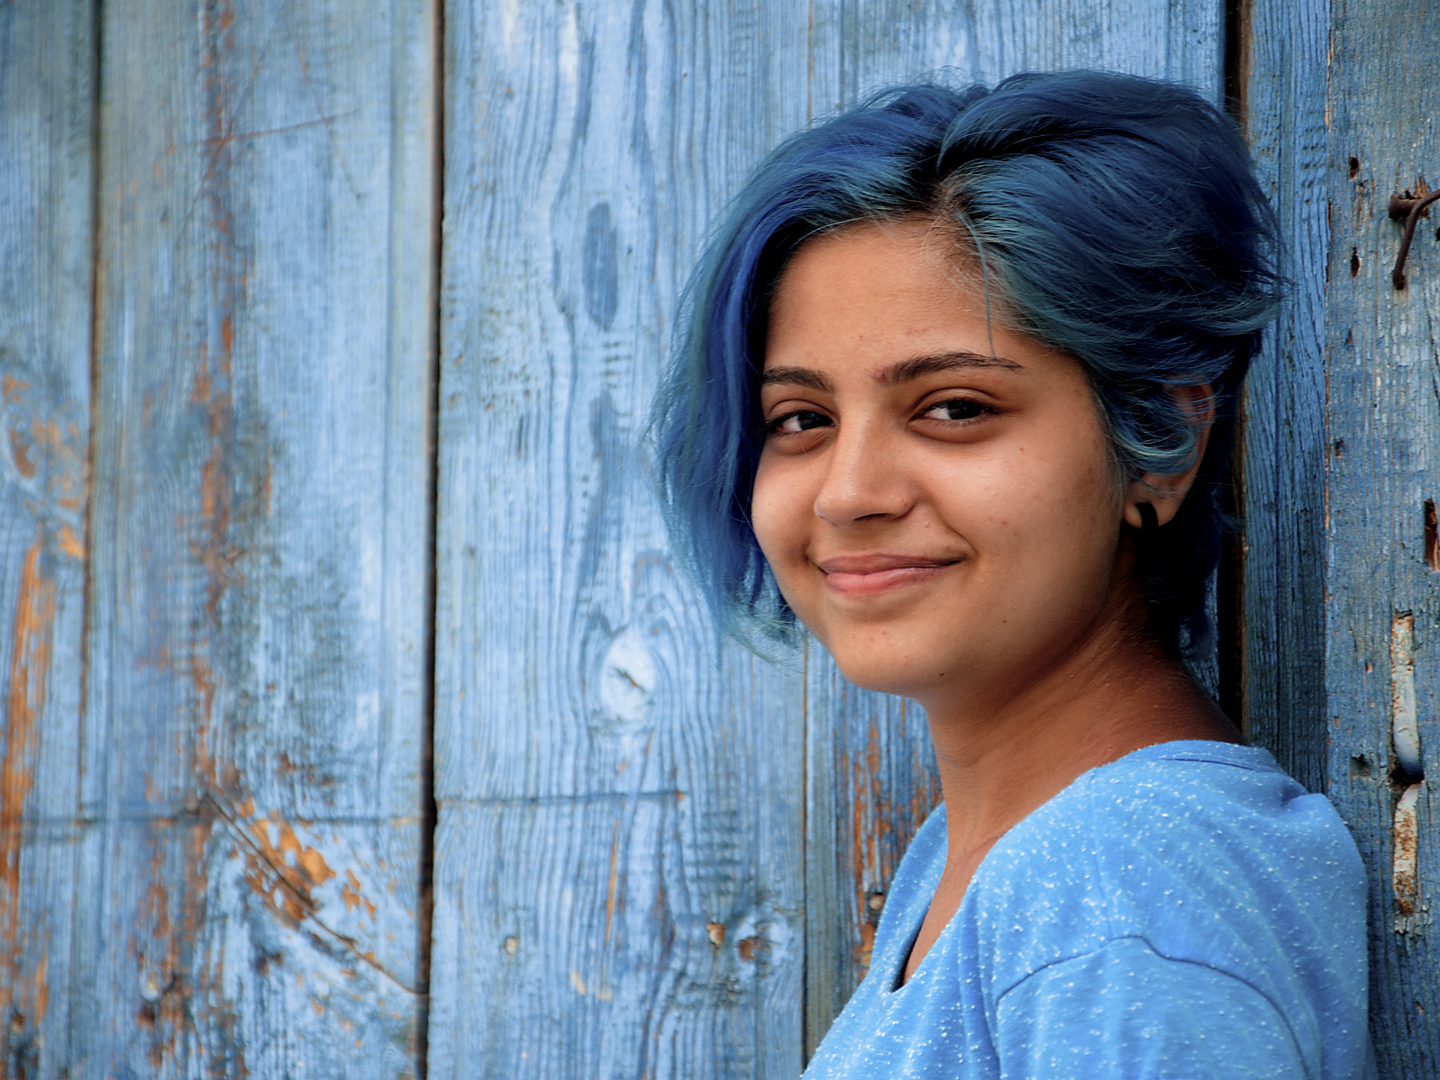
x,y
956,394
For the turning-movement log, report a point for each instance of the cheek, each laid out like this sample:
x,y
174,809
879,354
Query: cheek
x,y
1073,523
778,505
1049,512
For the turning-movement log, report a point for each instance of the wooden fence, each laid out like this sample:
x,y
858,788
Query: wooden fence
x,y
356,722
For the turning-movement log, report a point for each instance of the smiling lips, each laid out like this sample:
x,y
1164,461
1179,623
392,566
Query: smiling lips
x,y
855,575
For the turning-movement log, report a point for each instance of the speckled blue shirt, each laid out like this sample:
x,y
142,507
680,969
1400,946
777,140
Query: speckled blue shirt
x,y
1188,911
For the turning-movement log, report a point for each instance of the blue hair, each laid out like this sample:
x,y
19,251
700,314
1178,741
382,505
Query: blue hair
x,y
1118,220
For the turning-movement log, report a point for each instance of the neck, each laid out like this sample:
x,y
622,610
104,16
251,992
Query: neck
x,y
1003,750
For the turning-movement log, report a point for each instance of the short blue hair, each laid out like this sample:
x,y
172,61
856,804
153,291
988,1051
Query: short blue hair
x,y
1117,219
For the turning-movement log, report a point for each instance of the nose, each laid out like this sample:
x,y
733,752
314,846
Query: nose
x,y
862,477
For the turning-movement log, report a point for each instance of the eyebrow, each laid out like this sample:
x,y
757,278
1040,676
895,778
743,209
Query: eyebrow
x,y
917,366
797,376
903,371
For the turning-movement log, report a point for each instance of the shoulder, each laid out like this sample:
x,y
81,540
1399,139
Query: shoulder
x,y
1207,854
1183,835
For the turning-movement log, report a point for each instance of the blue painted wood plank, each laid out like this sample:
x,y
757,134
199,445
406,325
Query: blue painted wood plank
x,y
1383,427
619,859
871,778
860,47
256,689
47,60
872,783
567,129
1283,450
1342,453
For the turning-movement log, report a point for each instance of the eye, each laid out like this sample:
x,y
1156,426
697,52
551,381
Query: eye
x,y
955,409
797,422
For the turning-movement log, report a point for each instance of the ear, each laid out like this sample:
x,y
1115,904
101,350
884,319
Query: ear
x,y
1166,491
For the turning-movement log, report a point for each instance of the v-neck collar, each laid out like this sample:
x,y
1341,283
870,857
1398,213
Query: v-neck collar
x,y
1238,755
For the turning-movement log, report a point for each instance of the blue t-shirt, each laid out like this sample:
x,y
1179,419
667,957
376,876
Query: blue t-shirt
x,y
1187,911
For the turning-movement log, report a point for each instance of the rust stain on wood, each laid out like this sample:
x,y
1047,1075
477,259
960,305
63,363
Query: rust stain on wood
x,y
866,949
174,993
11,389
1406,851
353,898
284,872
202,677
610,893
29,670
69,544
19,454
1432,536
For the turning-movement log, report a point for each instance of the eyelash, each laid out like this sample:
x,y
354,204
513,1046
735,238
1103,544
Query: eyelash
x,y
980,410
773,427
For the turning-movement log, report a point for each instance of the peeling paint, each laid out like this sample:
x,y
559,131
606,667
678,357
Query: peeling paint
x,y
352,897
68,544
1406,851
1406,724
29,671
610,892
284,872
11,388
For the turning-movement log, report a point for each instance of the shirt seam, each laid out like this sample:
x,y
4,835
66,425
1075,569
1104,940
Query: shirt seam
x,y
1284,1020
1205,759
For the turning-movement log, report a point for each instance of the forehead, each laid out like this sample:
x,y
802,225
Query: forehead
x,y
876,295
904,267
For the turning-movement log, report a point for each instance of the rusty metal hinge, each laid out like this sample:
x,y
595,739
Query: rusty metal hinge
x,y
1411,210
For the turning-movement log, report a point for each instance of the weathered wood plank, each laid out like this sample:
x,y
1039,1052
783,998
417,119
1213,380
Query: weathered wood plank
x,y
255,711
872,783
1384,463
619,861
871,778
1283,451
47,90
860,47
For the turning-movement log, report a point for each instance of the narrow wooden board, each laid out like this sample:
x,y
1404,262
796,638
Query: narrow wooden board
x,y
872,780
1383,430
619,859
47,91
247,895
1284,450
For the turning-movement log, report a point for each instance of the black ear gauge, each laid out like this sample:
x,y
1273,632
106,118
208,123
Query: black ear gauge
x,y
1149,520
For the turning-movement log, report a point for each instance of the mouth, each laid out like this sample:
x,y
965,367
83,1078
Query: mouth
x,y
857,575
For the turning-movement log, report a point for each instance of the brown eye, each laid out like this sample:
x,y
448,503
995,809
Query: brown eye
x,y
796,422
955,409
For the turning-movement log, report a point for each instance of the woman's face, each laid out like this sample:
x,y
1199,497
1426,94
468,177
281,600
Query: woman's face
x,y
936,498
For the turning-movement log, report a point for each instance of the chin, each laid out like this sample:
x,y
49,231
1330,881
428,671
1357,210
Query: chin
x,y
893,672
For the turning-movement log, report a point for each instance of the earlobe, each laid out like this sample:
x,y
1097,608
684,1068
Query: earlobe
x,y
1140,510
1149,521
1154,498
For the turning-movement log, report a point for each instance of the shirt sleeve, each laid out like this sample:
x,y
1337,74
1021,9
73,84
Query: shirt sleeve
x,y
1123,1012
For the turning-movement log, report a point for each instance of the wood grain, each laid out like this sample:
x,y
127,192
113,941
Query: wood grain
x,y
619,860
656,854
585,153
1383,429
1283,454
47,60
247,895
